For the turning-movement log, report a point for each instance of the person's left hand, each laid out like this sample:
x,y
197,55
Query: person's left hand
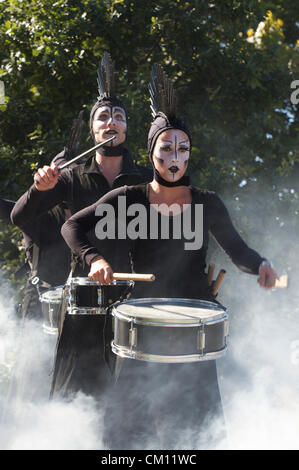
x,y
267,276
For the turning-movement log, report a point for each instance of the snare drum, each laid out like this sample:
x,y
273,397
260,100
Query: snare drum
x,y
84,296
88,297
169,330
51,301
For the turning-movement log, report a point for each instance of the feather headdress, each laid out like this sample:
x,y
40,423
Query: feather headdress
x,y
163,104
106,78
162,93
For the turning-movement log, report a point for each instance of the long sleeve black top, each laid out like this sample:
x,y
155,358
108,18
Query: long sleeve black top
x,y
78,187
53,263
174,266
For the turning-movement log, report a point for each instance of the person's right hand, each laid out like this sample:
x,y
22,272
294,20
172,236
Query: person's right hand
x,y
46,178
100,271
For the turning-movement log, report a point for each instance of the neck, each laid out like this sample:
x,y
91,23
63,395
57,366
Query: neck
x,y
108,162
109,166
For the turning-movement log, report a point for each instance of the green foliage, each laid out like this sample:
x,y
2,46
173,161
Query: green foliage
x,y
232,63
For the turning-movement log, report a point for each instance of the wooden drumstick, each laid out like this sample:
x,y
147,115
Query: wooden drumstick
x,y
218,281
211,273
133,277
282,282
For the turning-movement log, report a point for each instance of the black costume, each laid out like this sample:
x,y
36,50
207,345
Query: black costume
x,y
81,356
47,265
47,255
132,417
158,405
78,187
6,207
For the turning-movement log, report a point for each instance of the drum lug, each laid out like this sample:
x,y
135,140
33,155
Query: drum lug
x,y
133,336
51,317
226,328
201,339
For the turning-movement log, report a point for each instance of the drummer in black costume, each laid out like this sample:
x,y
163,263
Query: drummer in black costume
x,y
47,265
165,405
79,363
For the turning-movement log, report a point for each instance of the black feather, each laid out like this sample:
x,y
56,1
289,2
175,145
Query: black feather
x,y
106,77
75,134
162,93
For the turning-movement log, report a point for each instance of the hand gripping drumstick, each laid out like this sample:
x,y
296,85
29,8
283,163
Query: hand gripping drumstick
x,y
133,277
82,155
218,281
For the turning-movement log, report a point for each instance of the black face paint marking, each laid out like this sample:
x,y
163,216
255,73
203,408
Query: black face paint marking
x,y
111,109
173,169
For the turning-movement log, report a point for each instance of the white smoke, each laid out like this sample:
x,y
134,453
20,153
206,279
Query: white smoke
x,y
258,376
29,420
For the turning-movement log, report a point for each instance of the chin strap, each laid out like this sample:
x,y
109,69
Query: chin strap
x,y
112,151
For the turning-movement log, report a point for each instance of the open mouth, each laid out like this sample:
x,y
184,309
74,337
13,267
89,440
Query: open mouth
x,y
111,132
173,169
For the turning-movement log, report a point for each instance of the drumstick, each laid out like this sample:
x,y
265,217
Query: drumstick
x,y
218,281
211,273
282,282
82,155
85,153
133,277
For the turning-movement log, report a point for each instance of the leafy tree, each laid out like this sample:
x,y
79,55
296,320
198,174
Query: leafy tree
x,y
232,63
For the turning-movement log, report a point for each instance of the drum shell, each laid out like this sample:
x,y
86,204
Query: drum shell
x,y
166,342
84,297
170,340
88,297
51,304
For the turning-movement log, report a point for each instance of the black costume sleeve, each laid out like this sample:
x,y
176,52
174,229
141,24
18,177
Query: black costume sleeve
x,y
228,238
34,203
75,229
6,207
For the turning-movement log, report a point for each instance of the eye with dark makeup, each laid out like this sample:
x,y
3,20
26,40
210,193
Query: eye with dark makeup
x,y
165,148
103,117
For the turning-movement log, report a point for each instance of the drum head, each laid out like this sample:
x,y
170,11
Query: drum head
x,y
52,295
169,311
83,281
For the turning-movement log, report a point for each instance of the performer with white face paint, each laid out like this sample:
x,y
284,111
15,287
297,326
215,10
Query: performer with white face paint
x,y
166,405
79,363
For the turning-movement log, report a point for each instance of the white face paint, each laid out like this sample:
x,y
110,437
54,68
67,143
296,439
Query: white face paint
x,y
171,154
109,121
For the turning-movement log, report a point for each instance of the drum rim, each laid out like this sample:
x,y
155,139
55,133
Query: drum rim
x,y
220,313
47,300
87,281
126,352
92,311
